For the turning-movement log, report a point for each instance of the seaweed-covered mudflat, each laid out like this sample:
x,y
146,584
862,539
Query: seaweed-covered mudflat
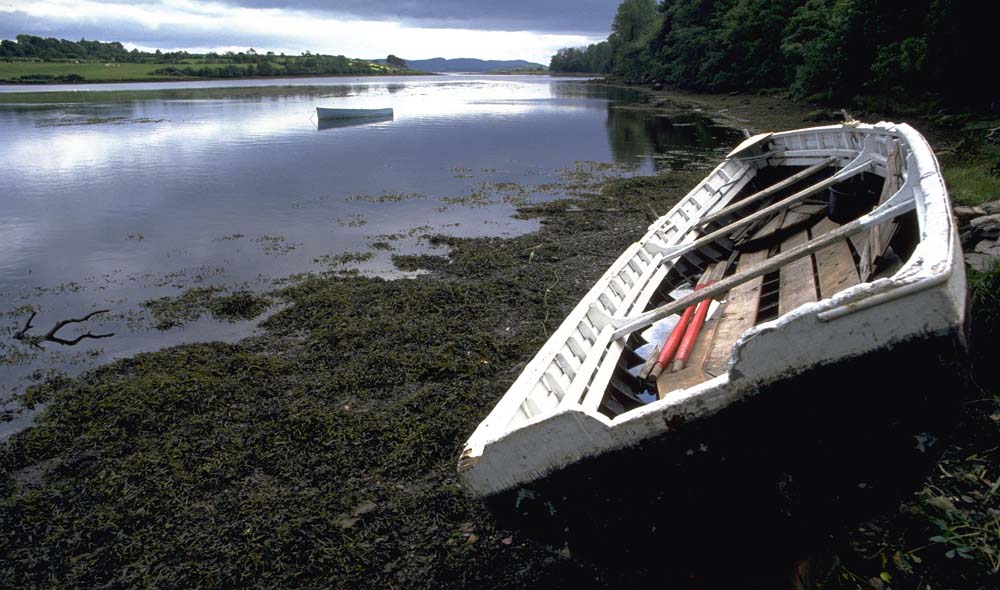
x,y
321,453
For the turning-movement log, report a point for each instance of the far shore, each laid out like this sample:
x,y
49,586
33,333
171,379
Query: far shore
x,y
159,79
27,87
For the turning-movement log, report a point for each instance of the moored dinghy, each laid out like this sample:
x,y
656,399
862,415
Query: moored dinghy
x,y
326,113
783,348
325,124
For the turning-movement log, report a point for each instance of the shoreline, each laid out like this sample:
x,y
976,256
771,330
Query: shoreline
x,y
327,443
283,77
204,79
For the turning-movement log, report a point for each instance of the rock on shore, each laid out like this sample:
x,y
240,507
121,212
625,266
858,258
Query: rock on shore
x,y
980,234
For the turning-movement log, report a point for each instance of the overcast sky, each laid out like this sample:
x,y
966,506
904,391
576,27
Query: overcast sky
x,y
412,29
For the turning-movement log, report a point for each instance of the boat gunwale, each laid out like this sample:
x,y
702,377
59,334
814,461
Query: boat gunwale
x,y
544,357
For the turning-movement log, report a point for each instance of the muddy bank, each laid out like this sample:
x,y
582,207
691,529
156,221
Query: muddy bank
x,y
321,454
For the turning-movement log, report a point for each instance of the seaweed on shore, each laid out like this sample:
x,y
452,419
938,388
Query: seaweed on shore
x,y
170,312
320,454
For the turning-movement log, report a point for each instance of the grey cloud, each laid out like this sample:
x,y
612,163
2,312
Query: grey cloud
x,y
589,17
164,37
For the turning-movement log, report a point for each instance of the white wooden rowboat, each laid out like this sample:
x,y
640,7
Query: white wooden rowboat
x,y
325,124
324,113
818,387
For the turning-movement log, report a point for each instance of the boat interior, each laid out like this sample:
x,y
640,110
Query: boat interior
x,y
704,344
769,226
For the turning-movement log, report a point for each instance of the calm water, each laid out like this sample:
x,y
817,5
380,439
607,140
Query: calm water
x,y
117,196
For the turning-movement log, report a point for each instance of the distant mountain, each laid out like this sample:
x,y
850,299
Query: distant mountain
x,y
468,64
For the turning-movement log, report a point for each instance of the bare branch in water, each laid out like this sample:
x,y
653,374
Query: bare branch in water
x,y
50,336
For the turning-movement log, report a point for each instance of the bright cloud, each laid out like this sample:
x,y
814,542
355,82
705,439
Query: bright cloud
x,y
196,25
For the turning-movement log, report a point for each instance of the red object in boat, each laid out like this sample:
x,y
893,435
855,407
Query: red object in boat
x,y
691,333
672,342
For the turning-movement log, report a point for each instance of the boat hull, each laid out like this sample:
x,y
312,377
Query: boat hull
x,y
814,416
764,478
325,124
327,114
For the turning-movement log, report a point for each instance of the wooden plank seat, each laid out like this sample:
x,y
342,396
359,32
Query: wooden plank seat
x,y
798,284
805,280
834,264
738,314
784,224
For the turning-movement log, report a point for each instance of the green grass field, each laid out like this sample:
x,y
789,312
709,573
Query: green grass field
x,y
91,72
970,170
38,72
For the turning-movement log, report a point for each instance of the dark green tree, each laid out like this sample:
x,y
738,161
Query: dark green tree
x,y
636,24
751,32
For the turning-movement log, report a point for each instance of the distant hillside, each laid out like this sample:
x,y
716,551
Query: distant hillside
x,y
468,64
33,60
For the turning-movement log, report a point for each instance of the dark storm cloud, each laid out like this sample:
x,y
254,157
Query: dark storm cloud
x,y
591,17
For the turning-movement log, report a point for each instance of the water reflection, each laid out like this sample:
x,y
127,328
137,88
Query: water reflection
x,y
211,114
116,197
672,141
608,94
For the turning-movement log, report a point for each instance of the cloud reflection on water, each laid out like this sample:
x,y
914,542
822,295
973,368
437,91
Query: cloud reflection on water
x,y
113,198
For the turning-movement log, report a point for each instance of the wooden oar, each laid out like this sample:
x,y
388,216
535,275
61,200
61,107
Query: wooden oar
x,y
902,202
767,191
680,249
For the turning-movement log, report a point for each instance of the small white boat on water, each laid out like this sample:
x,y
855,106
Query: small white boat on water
x,y
326,114
327,124
782,350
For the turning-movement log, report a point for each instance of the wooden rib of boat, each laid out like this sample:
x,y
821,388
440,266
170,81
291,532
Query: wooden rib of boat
x,y
325,113
828,364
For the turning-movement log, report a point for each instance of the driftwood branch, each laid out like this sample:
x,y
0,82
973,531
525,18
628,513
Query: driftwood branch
x,y
27,326
50,336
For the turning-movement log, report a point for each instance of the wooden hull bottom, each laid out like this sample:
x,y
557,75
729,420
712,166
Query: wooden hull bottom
x,y
765,478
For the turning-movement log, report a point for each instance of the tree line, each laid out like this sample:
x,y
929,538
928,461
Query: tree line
x,y
825,50
182,63
50,49
306,64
